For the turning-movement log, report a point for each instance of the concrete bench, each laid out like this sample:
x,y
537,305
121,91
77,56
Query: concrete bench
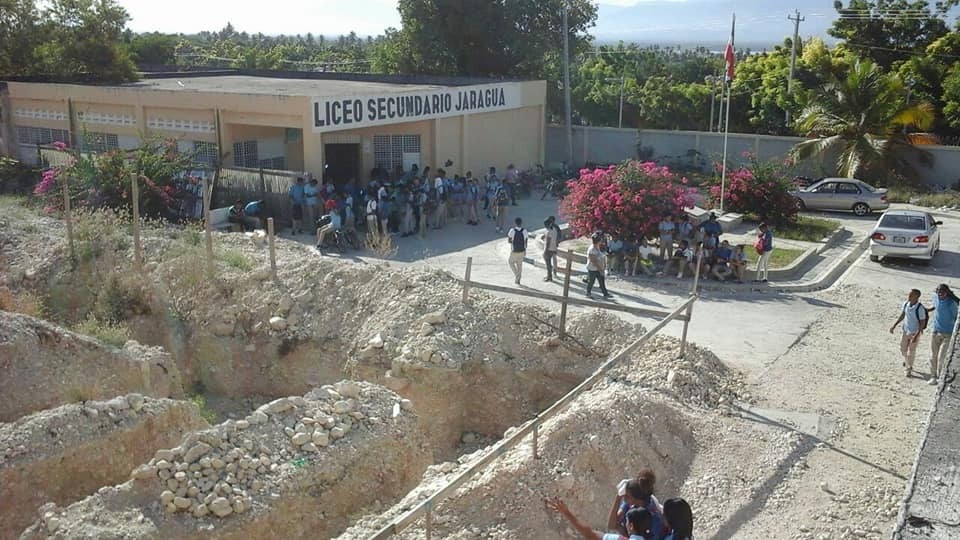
x,y
220,220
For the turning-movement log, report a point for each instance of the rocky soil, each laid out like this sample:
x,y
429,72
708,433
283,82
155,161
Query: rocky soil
x,y
64,454
296,467
45,366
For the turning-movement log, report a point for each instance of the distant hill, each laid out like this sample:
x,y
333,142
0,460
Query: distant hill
x,y
760,23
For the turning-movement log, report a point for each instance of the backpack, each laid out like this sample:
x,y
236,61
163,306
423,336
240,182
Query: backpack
x,y
758,245
501,196
519,240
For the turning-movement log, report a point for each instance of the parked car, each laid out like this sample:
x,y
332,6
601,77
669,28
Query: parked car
x,y
842,194
908,234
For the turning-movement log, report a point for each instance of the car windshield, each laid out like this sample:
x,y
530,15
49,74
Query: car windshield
x,y
900,221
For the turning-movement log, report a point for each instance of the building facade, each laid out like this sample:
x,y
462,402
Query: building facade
x,y
333,125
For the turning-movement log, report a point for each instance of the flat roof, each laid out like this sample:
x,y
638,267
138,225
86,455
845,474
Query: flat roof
x,y
275,86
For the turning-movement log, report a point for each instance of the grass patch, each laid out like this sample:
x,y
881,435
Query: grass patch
x,y
24,302
111,333
198,397
235,259
780,258
807,229
923,197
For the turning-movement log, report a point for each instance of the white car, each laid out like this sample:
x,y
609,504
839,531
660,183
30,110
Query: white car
x,y
908,234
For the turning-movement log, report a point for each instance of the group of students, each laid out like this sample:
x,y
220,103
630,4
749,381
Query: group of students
x,y
682,246
412,203
915,316
636,514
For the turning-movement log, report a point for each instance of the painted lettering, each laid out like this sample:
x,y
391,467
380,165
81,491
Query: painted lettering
x,y
317,121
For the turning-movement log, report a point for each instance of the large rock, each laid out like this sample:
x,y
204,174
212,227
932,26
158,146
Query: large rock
x,y
61,455
269,487
46,366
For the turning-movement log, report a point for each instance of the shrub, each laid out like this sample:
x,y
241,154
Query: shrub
x,y
381,245
24,302
236,259
111,333
626,200
758,188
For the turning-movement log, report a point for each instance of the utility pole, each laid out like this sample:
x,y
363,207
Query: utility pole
x,y
566,84
797,19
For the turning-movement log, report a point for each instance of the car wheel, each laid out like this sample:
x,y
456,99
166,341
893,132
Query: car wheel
x,y
874,258
861,209
801,206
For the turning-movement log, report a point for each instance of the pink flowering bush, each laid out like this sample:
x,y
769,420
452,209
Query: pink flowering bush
x,y
627,200
759,189
104,180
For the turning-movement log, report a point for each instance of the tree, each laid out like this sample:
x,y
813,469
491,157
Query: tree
x,y
864,120
481,37
19,36
155,48
881,29
82,38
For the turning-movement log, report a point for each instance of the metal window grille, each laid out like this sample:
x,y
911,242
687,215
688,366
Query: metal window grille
x,y
245,154
99,142
277,164
38,135
205,153
388,150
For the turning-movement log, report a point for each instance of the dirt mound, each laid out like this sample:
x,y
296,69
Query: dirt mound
x,y
296,467
64,454
46,366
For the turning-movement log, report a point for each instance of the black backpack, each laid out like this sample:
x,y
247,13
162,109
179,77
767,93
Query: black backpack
x,y
519,240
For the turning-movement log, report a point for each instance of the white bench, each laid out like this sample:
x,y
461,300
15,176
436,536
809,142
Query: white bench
x,y
220,220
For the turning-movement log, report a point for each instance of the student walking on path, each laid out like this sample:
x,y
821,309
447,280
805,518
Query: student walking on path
x,y
518,248
944,309
596,266
550,241
764,247
297,200
914,318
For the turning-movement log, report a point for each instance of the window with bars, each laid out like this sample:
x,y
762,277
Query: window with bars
x,y
276,164
38,135
245,154
205,153
99,142
388,150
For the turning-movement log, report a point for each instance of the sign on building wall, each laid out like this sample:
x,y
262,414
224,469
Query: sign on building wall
x,y
332,114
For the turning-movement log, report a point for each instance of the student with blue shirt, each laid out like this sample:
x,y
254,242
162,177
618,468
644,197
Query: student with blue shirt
x,y
297,200
678,519
637,493
637,520
914,318
944,317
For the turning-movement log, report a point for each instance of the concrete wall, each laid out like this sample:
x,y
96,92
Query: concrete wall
x,y
612,145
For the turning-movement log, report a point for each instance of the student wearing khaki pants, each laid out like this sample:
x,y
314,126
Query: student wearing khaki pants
x,y
944,313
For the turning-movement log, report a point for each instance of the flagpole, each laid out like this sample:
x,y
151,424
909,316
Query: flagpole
x,y
726,123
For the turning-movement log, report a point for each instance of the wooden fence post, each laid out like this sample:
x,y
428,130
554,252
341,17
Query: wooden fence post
x,y
273,252
135,199
566,294
208,232
693,292
466,279
66,214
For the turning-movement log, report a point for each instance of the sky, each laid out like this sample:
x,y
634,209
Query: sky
x,y
689,21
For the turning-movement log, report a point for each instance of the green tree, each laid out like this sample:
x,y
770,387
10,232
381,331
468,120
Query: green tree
x,y
154,48
863,119
482,37
82,38
883,29
19,36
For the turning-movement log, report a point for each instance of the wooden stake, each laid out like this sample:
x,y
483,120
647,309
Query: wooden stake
x,y
466,281
135,198
273,252
693,293
66,214
207,195
566,294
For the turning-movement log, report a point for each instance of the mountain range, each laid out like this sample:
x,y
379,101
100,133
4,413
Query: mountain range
x,y
760,23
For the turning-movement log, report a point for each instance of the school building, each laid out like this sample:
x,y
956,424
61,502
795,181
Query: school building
x,y
335,125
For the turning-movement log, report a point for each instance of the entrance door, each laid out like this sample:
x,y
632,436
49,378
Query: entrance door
x,y
343,162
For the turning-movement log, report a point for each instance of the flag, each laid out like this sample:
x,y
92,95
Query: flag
x,y
728,54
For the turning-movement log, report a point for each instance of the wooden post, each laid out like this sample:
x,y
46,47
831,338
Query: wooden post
x,y
466,279
429,522
536,441
263,193
566,294
207,195
273,252
66,214
135,199
693,292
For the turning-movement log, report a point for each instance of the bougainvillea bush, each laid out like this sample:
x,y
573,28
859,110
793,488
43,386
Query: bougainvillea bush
x,y
758,188
626,200
104,180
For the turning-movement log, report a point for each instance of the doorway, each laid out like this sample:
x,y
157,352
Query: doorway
x,y
342,162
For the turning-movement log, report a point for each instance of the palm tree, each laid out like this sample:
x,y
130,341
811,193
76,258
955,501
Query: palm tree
x,y
865,120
